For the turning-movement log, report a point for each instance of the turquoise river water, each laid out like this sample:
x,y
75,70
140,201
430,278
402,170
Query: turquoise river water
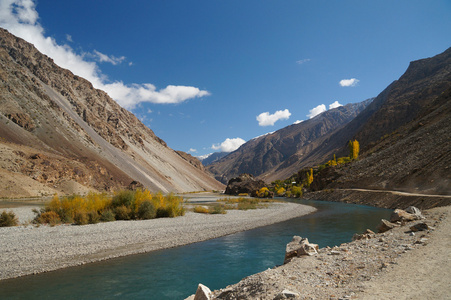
x,y
175,273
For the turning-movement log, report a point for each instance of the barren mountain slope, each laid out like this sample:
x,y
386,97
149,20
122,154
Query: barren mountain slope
x,y
407,139
57,128
415,158
396,106
283,151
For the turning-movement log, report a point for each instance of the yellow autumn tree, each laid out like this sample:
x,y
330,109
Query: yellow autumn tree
x,y
354,149
310,177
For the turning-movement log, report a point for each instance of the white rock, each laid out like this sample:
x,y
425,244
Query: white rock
x,y
202,293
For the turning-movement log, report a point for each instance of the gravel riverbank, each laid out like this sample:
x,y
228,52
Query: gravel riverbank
x,y
397,264
29,249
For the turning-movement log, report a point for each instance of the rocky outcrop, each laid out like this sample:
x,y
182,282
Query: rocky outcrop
x,y
298,247
244,184
192,160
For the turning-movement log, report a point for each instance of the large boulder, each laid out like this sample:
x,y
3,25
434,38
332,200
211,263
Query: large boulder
x,y
202,293
386,226
244,184
298,247
415,211
402,216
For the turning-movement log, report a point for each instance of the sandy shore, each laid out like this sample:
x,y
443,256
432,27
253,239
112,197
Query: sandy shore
x,y
29,249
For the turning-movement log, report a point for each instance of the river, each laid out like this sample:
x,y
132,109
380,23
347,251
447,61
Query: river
x,y
175,273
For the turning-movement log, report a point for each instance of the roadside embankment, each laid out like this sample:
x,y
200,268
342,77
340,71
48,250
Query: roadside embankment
x,y
380,198
30,249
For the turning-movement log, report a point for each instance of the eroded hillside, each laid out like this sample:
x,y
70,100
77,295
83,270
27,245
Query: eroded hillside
x,y
58,131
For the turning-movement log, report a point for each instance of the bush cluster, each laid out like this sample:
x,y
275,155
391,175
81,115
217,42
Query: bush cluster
x,y
243,203
215,209
99,207
8,219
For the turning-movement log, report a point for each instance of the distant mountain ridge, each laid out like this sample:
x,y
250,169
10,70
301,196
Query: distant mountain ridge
x,y
285,148
59,132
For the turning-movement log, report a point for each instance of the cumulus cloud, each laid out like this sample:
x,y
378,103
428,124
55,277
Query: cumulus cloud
x,y
192,150
229,145
334,105
21,19
349,82
316,111
320,109
266,119
298,121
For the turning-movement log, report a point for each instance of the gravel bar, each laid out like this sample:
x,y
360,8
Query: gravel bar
x,y
29,249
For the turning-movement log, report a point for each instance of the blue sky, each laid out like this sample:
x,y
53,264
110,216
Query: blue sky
x,y
202,74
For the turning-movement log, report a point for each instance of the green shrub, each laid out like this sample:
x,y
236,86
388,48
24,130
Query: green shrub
x,y
107,216
164,212
81,218
217,209
8,219
122,212
146,211
124,198
246,205
93,217
65,216
296,191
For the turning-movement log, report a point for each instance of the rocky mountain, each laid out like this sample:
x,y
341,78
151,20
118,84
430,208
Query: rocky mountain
x,y
58,134
405,134
281,153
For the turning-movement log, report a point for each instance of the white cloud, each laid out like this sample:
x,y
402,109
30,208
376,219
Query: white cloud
x,y
202,157
109,59
320,109
192,150
266,119
69,38
303,61
349,82
335,105
229,145
316,111
21,19
298,121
